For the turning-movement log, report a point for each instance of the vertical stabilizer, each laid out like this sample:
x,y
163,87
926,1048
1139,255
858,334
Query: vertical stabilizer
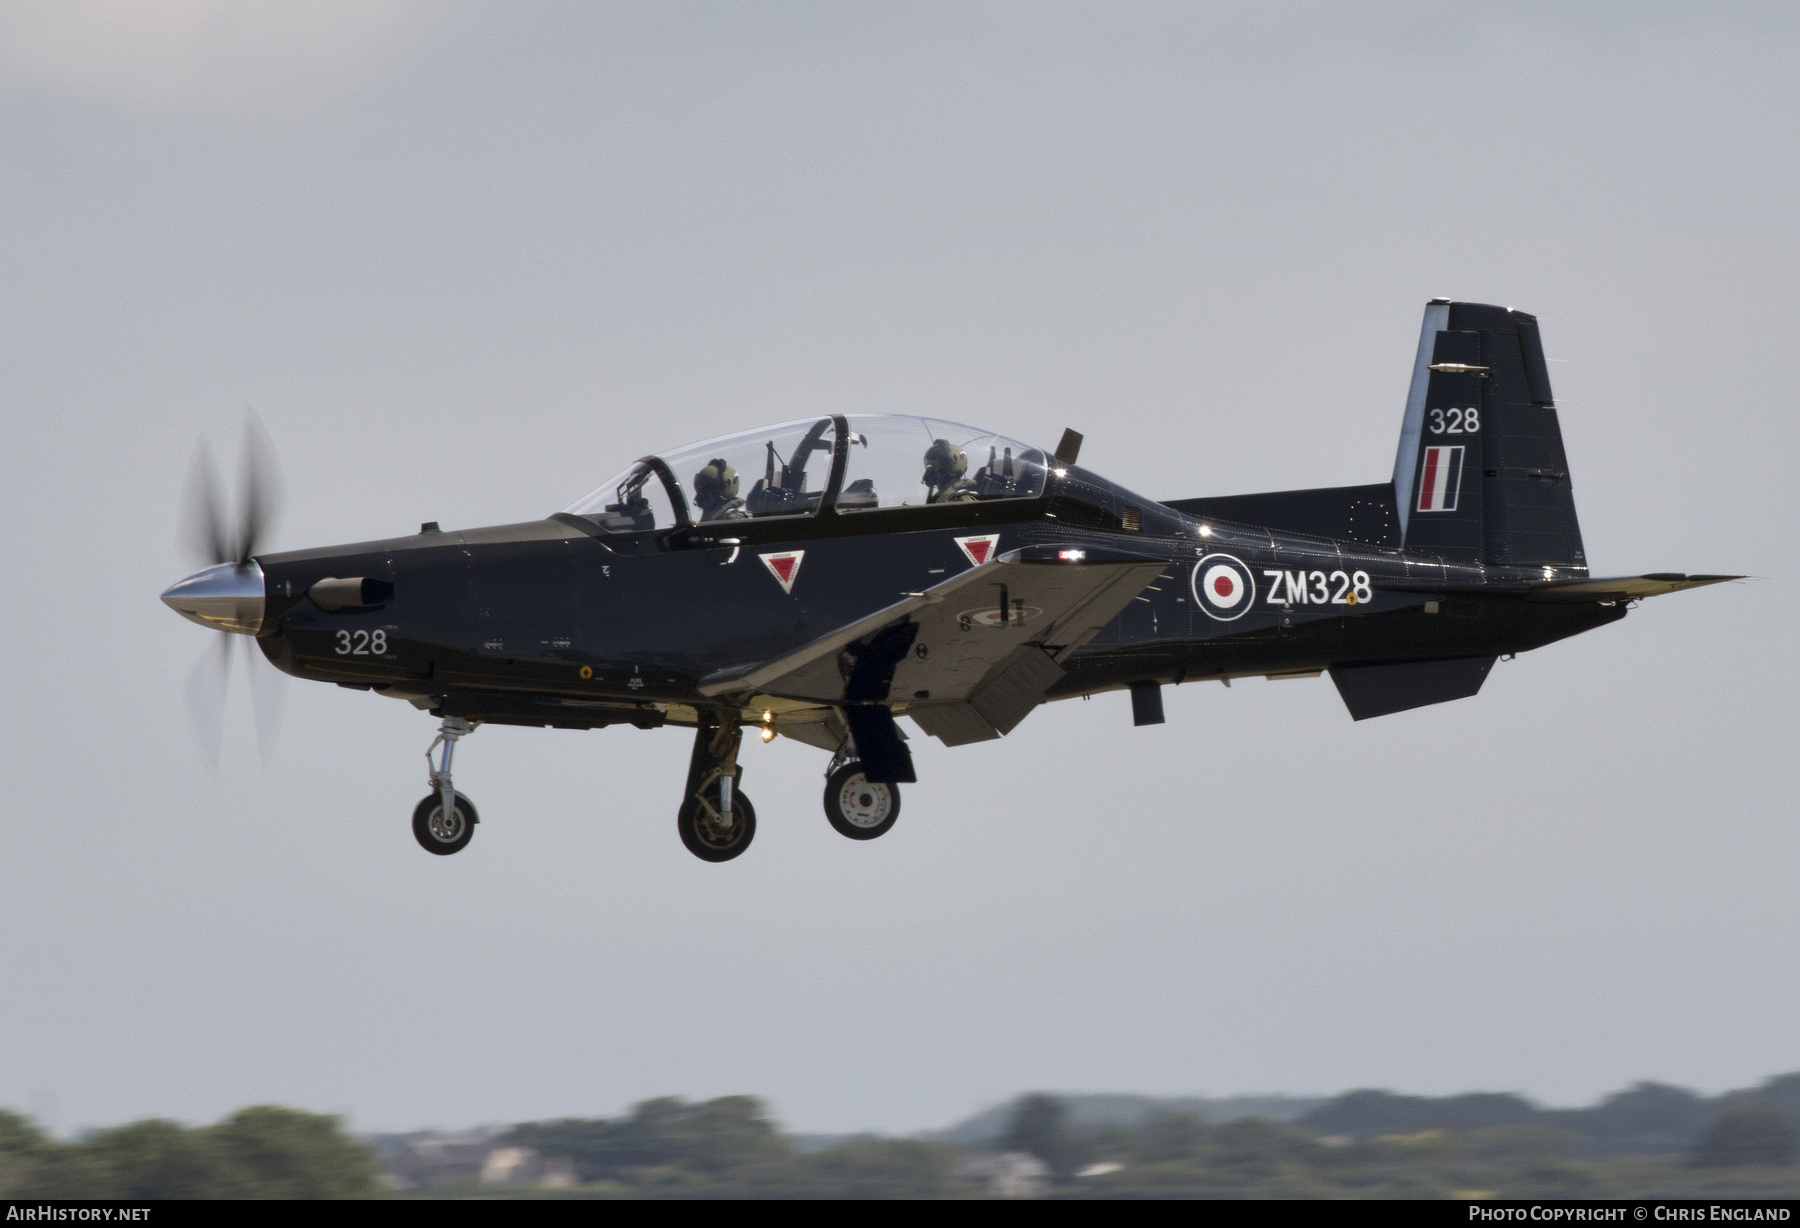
x,y
1481,476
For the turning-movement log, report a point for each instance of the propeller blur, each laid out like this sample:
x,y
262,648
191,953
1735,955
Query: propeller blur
x,y
228,593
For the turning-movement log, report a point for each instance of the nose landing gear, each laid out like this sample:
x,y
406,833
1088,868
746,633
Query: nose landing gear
x,y
716,821
439,835
444,820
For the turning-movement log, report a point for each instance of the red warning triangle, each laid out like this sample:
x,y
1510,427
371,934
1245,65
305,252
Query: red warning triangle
x,y
784,567
979,549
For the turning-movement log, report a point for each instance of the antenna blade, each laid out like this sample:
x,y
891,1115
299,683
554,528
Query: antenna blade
x,y
1069,448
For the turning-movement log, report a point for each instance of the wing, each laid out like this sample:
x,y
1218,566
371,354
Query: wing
x,y
969,658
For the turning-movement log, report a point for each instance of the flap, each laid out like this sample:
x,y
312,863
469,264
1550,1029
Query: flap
x,y
1003,699
942,644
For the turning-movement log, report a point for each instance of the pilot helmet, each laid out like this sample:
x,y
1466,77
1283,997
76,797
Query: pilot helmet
x,y
944,463
718,481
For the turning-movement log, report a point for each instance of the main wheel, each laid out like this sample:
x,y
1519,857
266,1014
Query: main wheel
x,y
707,838
437,835
857,808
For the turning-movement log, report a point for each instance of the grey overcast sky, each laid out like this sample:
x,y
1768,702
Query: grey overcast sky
x,y
467,259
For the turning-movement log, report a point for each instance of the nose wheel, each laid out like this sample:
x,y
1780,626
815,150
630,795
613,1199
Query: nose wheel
x,y
856,808
438,834
716,821
444,820
706,831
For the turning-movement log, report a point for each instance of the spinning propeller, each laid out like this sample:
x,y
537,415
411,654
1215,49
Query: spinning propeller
x,y
227,594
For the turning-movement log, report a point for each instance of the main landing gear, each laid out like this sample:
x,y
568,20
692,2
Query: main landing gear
x,y
716,821
855,807
444,820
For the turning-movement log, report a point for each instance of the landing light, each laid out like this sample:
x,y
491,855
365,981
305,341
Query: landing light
x,y
1205,530
1071,556
768,725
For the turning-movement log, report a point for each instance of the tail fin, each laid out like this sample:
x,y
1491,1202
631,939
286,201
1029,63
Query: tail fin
x,y
1481,476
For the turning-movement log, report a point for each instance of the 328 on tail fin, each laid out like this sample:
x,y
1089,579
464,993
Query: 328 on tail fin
x,y
1481,475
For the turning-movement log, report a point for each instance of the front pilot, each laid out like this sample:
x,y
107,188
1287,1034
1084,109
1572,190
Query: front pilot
x,y
715,490
945,466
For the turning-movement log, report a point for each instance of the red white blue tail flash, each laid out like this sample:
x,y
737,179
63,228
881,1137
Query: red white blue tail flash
x,y
1440,478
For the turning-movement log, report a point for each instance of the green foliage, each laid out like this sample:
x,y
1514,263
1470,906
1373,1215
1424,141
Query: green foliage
x,y
1454,1147
20,1136
157,1159
263,1152
729,1148
1782,1091
1646,1119
284,1153
1746,1132
887,1168
1499,1144
1039,1126
1258,1145
716,1136
1367,1113
1171,1136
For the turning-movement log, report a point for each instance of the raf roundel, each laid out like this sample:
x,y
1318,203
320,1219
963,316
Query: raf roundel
x,y
1223,587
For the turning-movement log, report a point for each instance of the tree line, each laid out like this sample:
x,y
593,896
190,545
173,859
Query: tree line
x,y
260,1152
1746,1148
1648,1141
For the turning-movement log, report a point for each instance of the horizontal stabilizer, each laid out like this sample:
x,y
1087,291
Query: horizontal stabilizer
x,y
1382,689
1621,588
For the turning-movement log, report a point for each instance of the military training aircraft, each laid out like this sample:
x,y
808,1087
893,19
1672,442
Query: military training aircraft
x,y
818,579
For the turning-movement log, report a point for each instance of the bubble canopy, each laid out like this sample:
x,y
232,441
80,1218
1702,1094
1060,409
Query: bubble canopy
x,y
844,463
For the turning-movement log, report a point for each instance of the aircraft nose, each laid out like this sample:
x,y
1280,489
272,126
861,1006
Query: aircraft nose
x,y
228,597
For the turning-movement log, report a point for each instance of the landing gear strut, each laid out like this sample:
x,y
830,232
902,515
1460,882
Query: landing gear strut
x,y
716,821
444,820
855,807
